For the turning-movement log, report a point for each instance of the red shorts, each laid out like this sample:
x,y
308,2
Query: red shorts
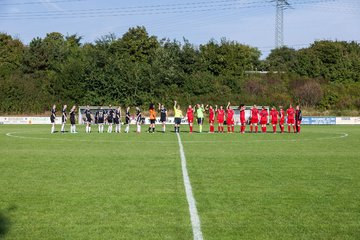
x,y
263,121
190,120
242,121
211,120
229,121
298,122
282,121
291,121
221,120
274,121
254,120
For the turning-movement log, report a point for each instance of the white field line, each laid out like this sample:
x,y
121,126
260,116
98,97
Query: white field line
x,y
194,216
14,135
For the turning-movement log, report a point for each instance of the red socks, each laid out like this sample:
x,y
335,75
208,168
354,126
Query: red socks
x,y
212,129
274,128
263,129
191,129
251,128
228,128
289,128
256,128
232,128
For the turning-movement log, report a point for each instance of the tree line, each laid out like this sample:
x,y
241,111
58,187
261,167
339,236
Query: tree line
x,y
137,69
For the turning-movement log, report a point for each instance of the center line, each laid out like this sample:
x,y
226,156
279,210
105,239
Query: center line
x,y
194,216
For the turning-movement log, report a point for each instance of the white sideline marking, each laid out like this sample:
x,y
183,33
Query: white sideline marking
x,y
194,216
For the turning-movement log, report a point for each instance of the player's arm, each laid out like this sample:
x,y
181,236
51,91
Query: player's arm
x,y
206,107
216,108
228,105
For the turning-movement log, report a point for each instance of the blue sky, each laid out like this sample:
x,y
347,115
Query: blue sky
x,y
246,21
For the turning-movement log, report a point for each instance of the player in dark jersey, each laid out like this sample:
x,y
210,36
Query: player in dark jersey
x,y
52,118
298,118
163,116
138,120
117,119
110,118
127,119
100,116
88,119
72,120
63,118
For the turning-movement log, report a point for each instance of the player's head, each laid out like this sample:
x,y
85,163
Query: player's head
x,y
263,107
128,108
198,105
280,107
87,106
54,106
298,107
190,107
221,107
137,108
65,106
73,107
254,105
109,105
290,105
178,106
273,108
211,107
151,106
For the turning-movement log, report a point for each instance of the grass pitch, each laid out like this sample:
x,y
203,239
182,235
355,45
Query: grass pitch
x,y
130,186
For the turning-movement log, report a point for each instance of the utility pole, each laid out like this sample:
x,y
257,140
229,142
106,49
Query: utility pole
x,y
281,5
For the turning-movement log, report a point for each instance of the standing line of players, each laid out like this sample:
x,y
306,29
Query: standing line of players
x,y
112,117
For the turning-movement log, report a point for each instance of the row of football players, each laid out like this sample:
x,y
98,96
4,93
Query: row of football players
x,y
294,118
113,117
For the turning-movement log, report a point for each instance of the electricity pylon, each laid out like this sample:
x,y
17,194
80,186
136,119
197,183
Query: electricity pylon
x,y
281,5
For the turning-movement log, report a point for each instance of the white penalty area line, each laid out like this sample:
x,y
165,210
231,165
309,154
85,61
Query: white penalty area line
x,y
194,216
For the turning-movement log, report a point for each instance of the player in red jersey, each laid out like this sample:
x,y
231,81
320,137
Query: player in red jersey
x,y
263,119
274,118
230,118
298,118
190,116
282,118
242,118
220,118
254,118
290,112
211,117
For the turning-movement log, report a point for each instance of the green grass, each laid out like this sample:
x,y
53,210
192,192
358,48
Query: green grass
x,y
129,186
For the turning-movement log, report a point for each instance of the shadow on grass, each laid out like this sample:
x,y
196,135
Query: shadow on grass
x,y
5,221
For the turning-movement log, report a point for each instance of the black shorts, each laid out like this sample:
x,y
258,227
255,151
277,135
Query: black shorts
x,y
63,119
72,121
100,121
127,121
177,121
200,120
52,119
163,119
116,121
152,121
88,120
110,120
